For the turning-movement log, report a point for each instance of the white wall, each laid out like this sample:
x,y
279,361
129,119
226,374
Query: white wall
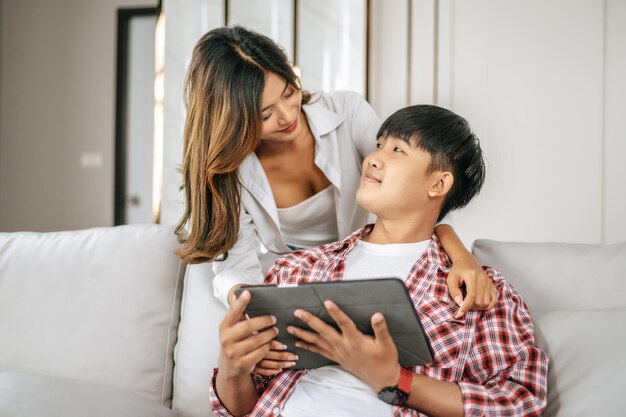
x,y
1,94
58,101
535,97
389,65
185,22
543,85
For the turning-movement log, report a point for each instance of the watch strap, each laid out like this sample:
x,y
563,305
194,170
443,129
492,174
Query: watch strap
x,y
404,383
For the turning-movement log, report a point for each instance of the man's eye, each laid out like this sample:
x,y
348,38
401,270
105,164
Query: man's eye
x,y
378,146
396,149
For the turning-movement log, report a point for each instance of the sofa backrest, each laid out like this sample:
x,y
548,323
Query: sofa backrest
x,y
101,305
577,297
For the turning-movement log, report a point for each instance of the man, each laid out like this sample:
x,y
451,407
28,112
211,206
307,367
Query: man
x,y
427,162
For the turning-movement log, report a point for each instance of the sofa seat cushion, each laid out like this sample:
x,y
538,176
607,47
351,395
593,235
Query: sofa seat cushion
x,y
586,361
30,395
100,305
575,294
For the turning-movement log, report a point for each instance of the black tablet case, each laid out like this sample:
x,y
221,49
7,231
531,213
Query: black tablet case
x,y
359,299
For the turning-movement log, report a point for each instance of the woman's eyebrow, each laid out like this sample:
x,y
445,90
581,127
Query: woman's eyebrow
x,y
281,94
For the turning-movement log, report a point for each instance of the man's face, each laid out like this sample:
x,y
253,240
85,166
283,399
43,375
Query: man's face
x,y
395,181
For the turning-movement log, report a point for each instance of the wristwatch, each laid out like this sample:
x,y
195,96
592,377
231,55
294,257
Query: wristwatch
x,y
399,394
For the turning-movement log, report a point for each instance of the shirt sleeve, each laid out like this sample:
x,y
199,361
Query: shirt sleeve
x,y
273,276
285,269
506,374
243,264
216,404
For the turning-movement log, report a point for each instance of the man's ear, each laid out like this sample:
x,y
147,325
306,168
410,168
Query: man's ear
x,y
442,182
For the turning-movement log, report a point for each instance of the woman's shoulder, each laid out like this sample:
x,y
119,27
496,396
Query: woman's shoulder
x,y
338,101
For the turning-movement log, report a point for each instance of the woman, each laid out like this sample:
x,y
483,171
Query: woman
x,y
268,165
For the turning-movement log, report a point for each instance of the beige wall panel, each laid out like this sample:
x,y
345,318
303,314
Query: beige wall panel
x,y
186,21
614,226
529,77
423,51
389,89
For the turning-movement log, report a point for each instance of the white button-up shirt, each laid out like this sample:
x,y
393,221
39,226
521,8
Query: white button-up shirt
x,y
344,127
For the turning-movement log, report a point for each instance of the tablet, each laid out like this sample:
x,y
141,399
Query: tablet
x,y
359,299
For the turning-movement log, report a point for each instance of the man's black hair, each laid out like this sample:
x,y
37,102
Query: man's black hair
x,y
448,139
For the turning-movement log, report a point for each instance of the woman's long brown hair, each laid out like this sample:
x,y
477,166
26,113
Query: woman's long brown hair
x,y
223,91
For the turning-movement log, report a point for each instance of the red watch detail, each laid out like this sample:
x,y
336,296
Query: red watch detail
x,y
404,383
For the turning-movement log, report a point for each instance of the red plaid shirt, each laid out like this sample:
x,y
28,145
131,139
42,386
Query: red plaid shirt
x,y
490,355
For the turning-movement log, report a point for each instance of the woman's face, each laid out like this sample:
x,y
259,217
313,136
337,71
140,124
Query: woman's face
x,y
281,104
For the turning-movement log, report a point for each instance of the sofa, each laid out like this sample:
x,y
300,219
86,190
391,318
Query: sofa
x,y
108,322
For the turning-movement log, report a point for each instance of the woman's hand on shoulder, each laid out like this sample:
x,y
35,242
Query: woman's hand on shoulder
x,y
480,293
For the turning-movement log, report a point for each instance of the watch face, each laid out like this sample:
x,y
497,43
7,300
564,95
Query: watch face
x,y
393,396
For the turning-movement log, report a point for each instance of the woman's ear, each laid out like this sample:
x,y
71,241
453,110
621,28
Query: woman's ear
x,y
442,182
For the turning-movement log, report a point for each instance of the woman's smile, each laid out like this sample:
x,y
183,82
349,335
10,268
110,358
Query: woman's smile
x,y
291,127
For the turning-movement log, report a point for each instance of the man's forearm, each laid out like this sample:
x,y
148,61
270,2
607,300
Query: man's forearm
x,y
237,394
435,398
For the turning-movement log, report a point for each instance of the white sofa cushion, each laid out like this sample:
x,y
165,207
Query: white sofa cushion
x,y
100,305
576,294
198,346
29,395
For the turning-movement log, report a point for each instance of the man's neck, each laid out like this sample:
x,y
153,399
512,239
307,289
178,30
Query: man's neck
x,y
387,231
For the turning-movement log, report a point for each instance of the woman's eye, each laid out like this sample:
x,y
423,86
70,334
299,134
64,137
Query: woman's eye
x,y
291,93
266,118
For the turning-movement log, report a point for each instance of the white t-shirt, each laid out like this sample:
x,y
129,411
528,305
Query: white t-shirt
x,y
311,222
344,126
370,260
330,390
